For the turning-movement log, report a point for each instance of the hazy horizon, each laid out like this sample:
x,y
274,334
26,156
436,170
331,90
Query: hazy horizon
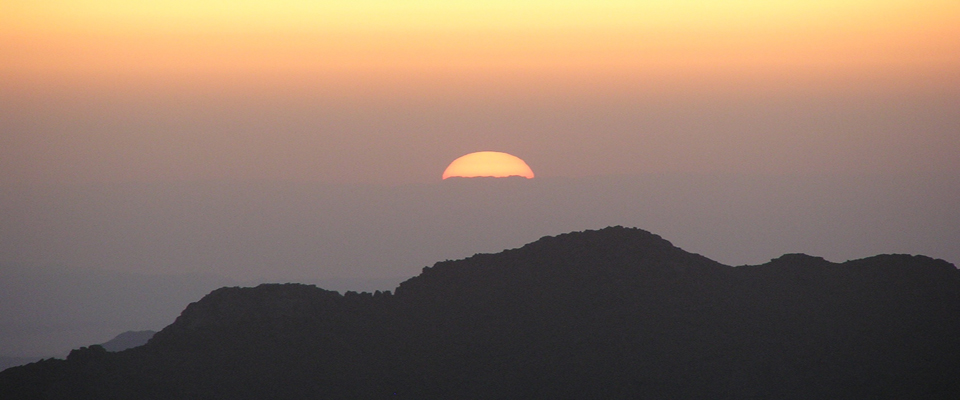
x,y
86,262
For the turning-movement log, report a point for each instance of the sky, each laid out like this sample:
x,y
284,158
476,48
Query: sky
x,y
143,143
389,92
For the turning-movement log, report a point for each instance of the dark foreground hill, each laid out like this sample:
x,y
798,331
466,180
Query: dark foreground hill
x,y
614,313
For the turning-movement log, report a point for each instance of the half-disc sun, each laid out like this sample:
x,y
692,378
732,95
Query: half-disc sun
x,y
488,164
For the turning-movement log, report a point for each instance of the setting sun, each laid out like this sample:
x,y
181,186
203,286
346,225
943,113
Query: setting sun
x,y
488,164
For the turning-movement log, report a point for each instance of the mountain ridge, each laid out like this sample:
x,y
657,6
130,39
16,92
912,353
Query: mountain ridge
x,y
611,313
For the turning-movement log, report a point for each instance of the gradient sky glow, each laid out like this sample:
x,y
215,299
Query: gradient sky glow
x,y
251,141
349,44
388,92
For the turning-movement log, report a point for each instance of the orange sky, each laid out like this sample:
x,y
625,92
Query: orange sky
x,y
380,45
390,91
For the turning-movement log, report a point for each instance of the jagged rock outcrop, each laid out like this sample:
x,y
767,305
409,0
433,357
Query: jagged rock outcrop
x,y
613,313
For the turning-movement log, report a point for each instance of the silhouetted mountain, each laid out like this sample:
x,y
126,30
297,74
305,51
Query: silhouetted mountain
x,y
614,313
8,362
127,340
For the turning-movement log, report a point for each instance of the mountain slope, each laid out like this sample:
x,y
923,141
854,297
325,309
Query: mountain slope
x,y
614,313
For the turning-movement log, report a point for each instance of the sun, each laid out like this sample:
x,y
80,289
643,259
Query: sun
x,y
488,164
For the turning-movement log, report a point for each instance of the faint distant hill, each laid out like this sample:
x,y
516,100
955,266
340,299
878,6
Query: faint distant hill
x,y
46,311
127,340
616,313
123,341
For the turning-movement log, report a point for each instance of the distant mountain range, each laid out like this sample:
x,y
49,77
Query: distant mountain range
x,y
617,313
128,340
122,342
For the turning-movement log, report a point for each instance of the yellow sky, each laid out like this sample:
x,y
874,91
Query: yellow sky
x,y
386,41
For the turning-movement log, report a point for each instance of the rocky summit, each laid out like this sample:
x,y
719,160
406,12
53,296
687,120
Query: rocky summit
x,y
617,313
